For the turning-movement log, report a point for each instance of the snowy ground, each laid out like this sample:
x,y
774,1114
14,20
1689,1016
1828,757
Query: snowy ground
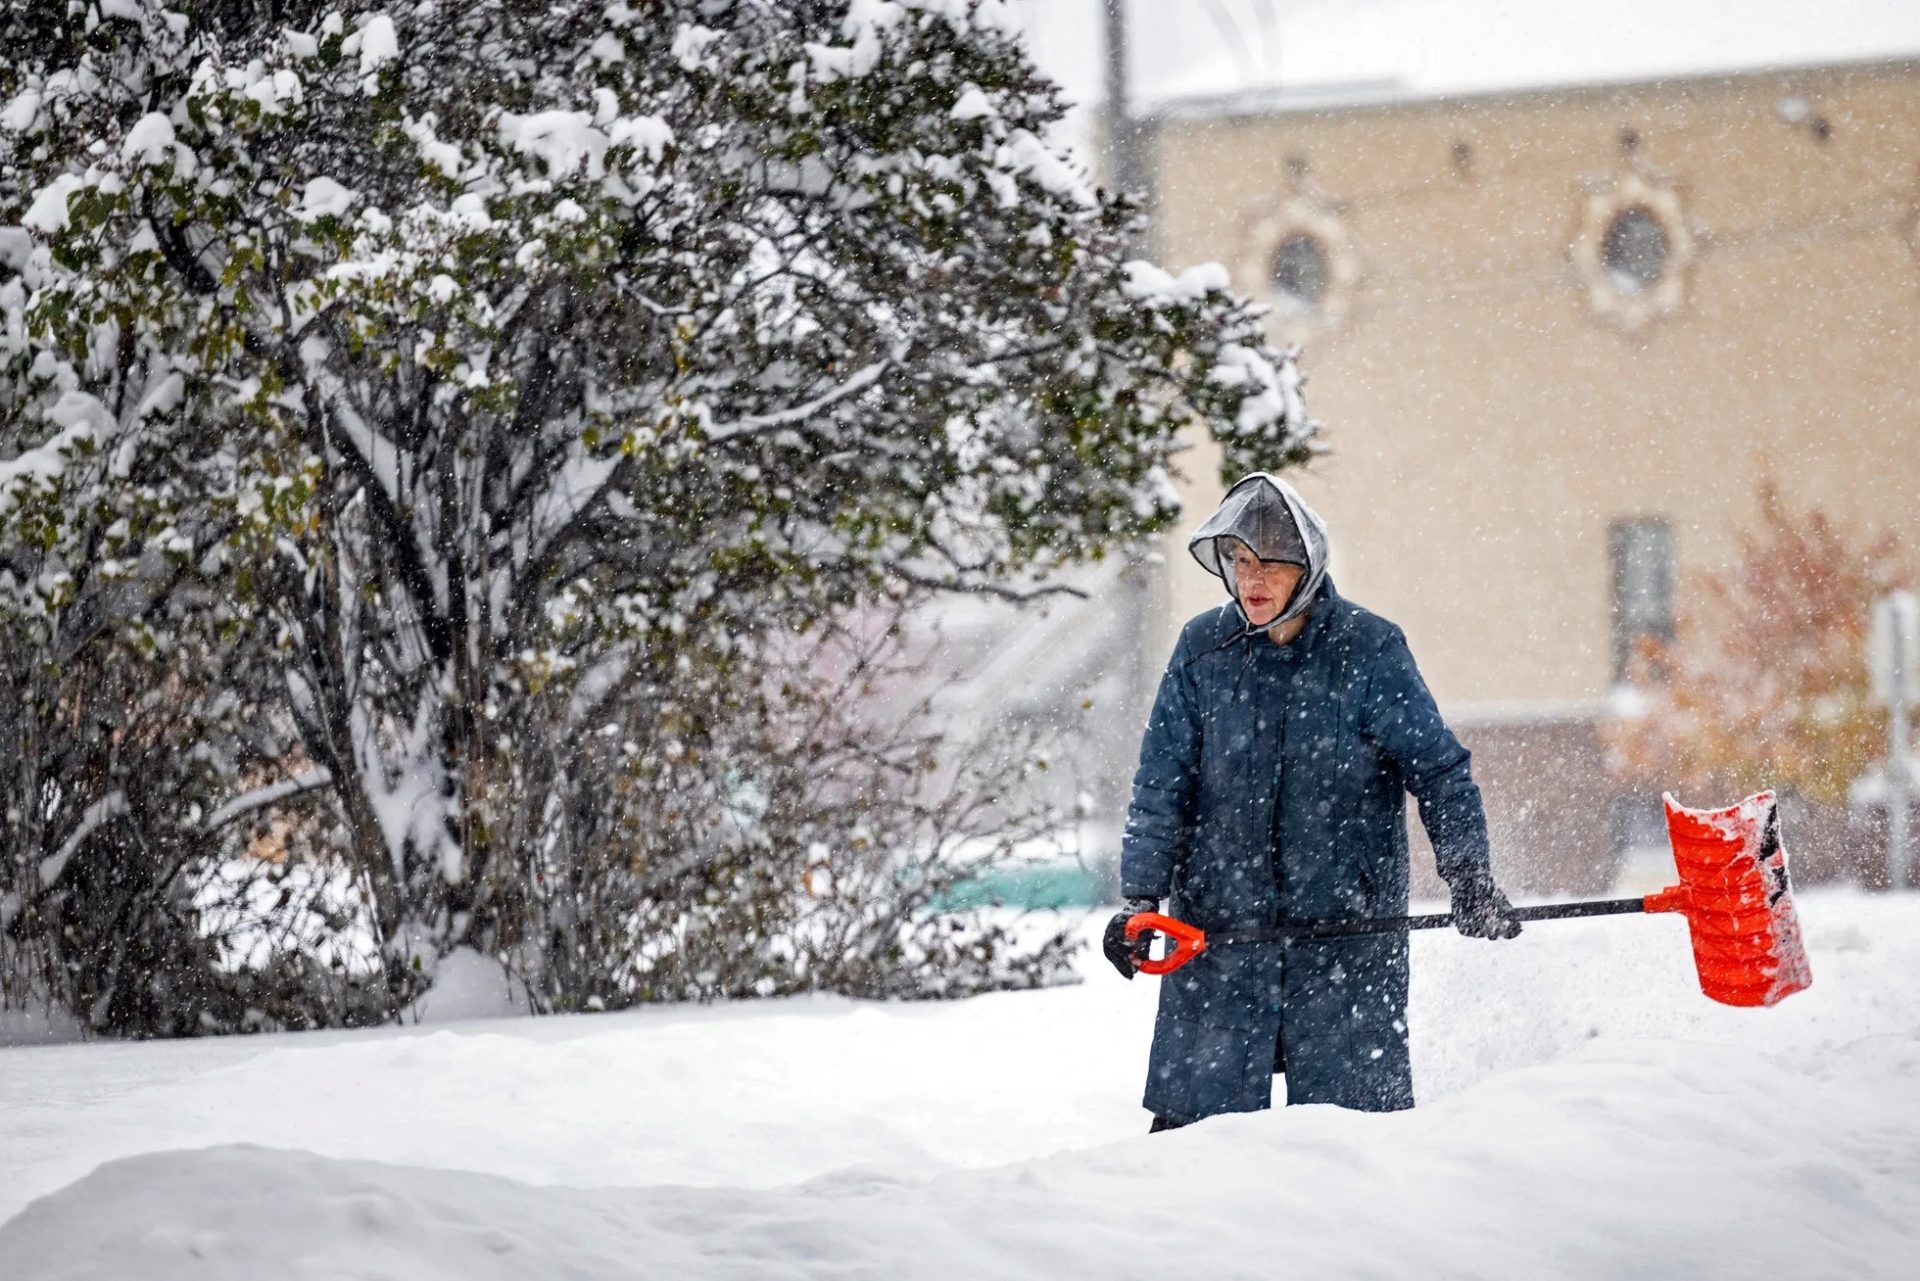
x,y
1584,1113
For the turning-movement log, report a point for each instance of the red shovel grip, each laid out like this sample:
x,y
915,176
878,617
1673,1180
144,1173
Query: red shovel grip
x,y
1188,940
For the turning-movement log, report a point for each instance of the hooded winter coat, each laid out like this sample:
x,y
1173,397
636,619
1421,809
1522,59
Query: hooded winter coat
x,y
1271,787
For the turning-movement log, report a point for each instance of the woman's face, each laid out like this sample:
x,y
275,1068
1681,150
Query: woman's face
x,y
1263,586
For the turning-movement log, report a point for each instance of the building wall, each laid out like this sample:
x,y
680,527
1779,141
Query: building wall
x,y
1486,424
1488,419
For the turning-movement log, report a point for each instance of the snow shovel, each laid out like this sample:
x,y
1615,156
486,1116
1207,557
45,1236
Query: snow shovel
x,y
1733,891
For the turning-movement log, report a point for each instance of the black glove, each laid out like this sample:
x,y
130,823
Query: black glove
x,y
1480,910
1126,955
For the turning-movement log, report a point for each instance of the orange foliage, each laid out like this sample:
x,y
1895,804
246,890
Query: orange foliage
x,y
1765,683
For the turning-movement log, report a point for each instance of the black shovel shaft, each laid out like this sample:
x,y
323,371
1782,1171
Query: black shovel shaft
x,y
1400,924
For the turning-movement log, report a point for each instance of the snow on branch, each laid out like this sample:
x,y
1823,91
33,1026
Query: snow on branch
x,y
109,807
860,380
272,794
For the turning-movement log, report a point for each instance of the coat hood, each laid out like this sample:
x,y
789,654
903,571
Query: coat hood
x,y
1266,514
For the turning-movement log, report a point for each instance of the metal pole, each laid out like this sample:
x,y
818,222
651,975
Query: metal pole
x,y
1126,161
1899,768
1140,586
1125,171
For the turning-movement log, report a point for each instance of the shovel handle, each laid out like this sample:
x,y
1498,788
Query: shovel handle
x,y
1190,940
1433,921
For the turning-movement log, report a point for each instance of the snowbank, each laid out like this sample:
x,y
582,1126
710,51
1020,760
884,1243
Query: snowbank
x,y
1584,1112
466,986
36,1026
1662,1160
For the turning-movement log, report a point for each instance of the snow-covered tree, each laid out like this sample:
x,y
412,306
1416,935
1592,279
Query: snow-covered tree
x,y
404,382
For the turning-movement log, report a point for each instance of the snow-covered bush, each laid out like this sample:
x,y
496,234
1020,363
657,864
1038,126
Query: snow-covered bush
x,y
761,837
422,388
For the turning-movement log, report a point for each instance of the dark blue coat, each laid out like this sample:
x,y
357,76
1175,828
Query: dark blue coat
x,y
1271,787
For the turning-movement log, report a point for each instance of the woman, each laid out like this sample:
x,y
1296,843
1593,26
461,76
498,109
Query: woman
x,y
1289,726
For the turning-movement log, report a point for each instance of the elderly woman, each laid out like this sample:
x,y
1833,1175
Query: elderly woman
x,y
1289,726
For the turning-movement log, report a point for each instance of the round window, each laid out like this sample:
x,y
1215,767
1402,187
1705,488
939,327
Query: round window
x,y
1300,259
1301,271
1635,249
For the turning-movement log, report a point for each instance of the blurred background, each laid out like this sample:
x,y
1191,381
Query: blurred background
x,y
1609,313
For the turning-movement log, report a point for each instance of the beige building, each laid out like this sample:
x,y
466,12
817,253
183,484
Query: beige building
x,y
1556,340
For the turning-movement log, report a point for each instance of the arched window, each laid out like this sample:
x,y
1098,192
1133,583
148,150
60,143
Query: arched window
x,y
1301,272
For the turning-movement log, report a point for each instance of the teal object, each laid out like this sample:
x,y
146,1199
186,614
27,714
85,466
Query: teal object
x,y
1049,885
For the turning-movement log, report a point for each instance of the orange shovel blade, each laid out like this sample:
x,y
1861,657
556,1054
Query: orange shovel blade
x,y
1738,901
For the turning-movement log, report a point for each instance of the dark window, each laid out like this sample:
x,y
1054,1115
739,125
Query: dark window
x,y
1642,553
1635,250
1300,271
